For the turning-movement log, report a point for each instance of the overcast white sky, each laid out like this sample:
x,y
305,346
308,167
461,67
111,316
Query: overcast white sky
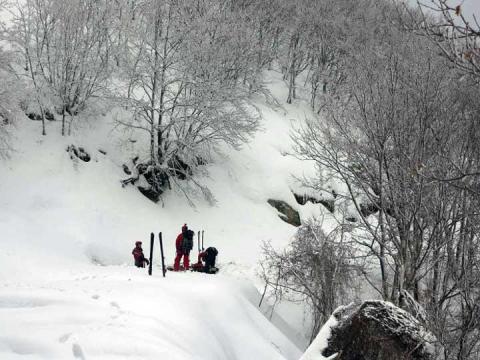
x,y
472,7
469,6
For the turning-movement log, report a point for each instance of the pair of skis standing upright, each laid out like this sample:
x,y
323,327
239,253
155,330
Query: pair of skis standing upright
x,y
162,255
198,240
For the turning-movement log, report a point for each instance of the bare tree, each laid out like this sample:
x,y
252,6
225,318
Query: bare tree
x,y
456,34
183,85
9,103
294,59
315,268
403,124
65,45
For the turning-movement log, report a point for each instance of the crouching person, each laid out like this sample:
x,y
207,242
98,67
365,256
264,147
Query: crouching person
x,y
206,261
138,256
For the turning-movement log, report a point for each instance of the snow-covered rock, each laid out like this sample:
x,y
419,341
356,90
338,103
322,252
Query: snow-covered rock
x,y
374,330
316,348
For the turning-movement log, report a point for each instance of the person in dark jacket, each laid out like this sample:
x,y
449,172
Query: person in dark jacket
x,y
208,256
137,253
183,244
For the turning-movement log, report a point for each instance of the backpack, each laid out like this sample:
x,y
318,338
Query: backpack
x,y
187,243
211,256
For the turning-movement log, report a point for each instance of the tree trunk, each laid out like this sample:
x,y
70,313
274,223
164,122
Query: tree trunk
x,y
32,73
154,128
293,69
161,105
63,119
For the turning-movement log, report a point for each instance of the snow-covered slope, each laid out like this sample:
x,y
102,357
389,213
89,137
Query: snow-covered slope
x,y
118,312
68,227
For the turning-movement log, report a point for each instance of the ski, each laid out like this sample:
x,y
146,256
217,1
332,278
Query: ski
x,y
198,240
152,238
164,269
171,268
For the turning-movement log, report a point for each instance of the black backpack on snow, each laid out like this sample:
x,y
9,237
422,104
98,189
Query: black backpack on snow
x,y
187,243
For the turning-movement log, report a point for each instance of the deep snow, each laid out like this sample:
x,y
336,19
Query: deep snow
x,y
118,312
67,284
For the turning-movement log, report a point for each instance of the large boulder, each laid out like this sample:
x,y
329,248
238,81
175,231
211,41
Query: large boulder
x,y
374,330
286,212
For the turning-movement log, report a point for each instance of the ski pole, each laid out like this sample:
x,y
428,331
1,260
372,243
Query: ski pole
x,y
164,270
202,240
198,240
152,237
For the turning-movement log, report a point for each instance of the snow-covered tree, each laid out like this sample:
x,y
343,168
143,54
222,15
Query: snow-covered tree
x,y
9,102
65,46
182,73
403,125
315,268
456,34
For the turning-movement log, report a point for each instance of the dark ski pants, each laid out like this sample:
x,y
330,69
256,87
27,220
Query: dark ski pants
x,y
141,263
186,261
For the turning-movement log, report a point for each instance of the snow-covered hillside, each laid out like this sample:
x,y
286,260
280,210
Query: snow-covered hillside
x,y
117,312
68,285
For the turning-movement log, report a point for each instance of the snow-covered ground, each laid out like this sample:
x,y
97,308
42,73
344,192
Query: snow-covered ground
x,y
67,284
117,312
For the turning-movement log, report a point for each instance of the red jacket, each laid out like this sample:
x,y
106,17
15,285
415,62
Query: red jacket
x,y
178,243
140,260
138,254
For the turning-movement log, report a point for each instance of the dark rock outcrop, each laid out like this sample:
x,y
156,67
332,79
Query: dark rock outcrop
x,y
126,170
151,181
34,116
179,168
303,199
78,152
377,330
150,193
368,209
286,212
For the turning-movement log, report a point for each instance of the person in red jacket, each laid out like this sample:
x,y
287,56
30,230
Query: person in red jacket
x,y
182,250
137,253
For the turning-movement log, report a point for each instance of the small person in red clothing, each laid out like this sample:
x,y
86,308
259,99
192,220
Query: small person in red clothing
x,y
137,253
183,244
